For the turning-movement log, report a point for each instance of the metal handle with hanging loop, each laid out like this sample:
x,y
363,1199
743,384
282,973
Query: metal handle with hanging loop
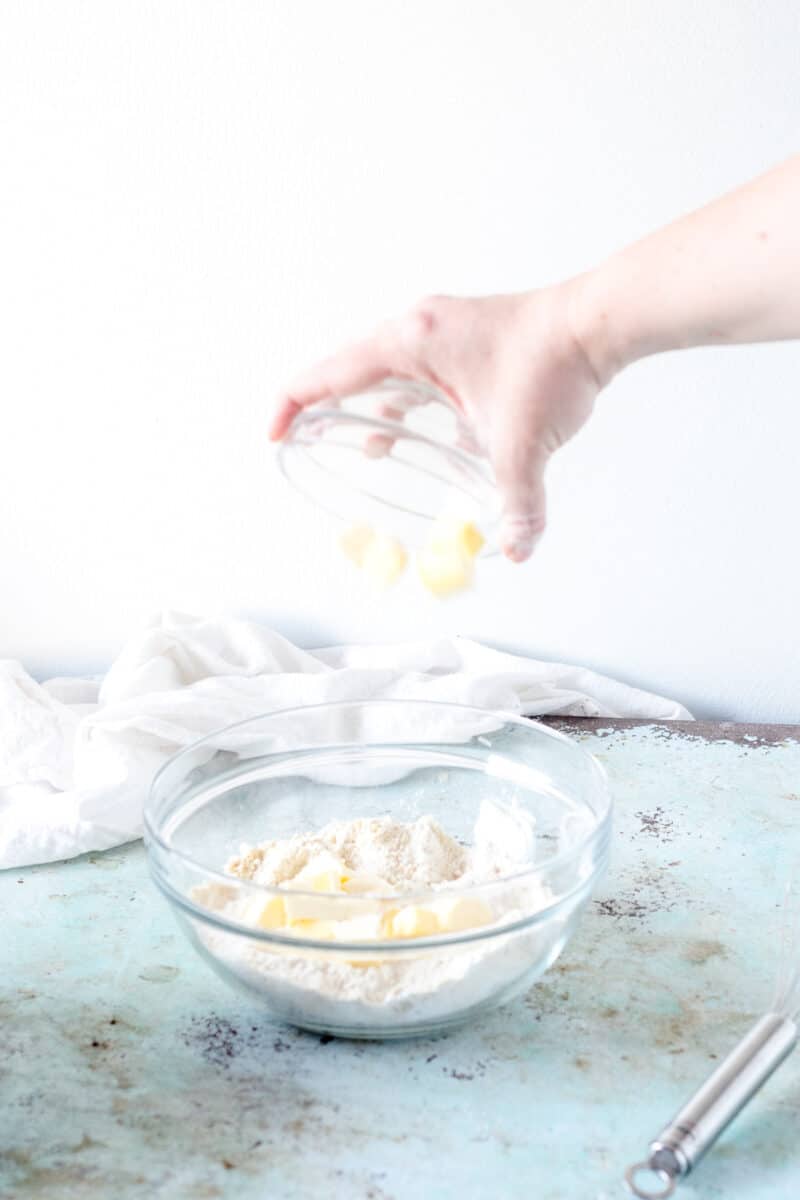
x,y
692,1131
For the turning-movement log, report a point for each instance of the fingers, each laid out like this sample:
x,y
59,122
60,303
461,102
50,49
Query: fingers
x,y
351,370
378,445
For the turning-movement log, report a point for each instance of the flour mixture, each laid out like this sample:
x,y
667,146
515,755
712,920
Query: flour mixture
x,y
355,882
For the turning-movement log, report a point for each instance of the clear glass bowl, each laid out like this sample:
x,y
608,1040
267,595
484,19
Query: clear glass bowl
x,y
394,457
285,773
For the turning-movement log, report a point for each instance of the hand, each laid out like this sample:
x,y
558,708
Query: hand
x,y
511,364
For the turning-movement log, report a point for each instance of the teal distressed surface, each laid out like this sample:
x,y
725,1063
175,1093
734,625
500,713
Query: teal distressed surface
x,y
130,1071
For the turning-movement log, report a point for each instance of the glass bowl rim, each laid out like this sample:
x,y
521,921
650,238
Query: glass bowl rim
x,y
152,829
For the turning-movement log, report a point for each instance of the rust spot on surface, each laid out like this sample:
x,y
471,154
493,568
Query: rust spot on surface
x,y
159,973
704,949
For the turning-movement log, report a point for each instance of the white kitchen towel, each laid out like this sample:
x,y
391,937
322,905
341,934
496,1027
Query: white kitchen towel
x,y
77,755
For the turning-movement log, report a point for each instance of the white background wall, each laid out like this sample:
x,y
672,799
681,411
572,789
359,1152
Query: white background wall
x,y
198,198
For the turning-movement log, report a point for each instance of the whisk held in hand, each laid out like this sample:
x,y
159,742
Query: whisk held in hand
x,y
693,1131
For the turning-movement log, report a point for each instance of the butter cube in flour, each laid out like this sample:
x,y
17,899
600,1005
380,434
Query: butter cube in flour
x,y
462,912
413,921
273,914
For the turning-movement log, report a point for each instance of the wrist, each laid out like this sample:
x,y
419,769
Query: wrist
x,y
596,313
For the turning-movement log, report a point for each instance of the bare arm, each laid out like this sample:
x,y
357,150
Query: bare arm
x,y
728,273
526,368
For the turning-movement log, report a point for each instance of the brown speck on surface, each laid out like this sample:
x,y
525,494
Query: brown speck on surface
x,y
216,1038
581,1063
623,906
702,950
657,824
227,1165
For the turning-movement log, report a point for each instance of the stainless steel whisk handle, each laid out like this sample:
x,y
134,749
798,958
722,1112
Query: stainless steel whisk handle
x,y
693,1130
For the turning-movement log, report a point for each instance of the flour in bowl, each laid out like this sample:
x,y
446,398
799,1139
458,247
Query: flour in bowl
x,y
381,885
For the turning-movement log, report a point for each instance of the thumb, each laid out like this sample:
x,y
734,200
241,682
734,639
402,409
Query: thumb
x,y
521,485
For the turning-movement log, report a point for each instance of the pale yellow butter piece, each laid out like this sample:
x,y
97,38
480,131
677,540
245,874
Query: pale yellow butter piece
x,y
445,562
444,572
414,921
461,912
319,929
384,560
273,914
328,881
354,541
322,873
470,539
453,533
367,927
361,883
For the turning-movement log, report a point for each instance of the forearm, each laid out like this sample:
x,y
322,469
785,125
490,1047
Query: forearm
x,y
728,273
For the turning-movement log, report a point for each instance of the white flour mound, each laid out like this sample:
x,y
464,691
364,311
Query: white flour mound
x,y
409,987
419,854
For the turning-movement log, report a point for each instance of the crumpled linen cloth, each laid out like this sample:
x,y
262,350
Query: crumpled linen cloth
x,y
77,755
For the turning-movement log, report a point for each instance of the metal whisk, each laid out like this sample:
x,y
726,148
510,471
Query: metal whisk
x,y
693,1130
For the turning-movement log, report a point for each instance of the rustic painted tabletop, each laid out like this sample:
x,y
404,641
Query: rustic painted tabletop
x,y
129,1071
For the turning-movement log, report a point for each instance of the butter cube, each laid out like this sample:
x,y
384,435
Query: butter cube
x,y
368,927
462,912
452,533
317,929
328,881
413,921
445,562
470,539
354,541
384,560
444,572
322,873
361,884
273,914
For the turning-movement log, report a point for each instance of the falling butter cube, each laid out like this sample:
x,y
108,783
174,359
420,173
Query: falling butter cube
x,y
470,539
452,533
354,541
444,573
413,921
445,563
384,560
462,912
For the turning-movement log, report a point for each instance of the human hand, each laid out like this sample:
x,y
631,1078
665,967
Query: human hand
x,y
512,365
